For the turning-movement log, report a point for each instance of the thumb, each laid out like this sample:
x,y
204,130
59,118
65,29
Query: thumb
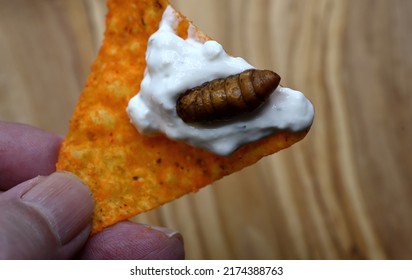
x,y
45,218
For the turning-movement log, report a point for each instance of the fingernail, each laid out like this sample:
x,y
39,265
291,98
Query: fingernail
x,y
65,201
166,231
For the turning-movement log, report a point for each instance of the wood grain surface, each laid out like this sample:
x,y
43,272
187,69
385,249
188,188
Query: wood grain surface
x,y
344,192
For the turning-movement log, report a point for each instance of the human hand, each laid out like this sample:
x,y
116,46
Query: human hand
x,y
48,216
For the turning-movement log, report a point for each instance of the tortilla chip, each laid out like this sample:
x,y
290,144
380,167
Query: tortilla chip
x,y
130,173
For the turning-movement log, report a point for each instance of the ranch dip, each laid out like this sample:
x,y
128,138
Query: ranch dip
x,y
175,65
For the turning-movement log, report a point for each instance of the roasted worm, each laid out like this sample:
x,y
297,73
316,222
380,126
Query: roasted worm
x,y
222,99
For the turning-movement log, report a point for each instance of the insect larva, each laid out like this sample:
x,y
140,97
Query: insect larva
x,y
222,99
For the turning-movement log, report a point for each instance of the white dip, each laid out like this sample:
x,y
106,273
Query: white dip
x,y
175,65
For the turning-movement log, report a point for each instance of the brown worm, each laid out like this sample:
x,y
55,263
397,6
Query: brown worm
x,y
222,99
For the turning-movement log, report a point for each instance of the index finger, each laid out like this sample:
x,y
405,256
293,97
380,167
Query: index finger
x,y
25,152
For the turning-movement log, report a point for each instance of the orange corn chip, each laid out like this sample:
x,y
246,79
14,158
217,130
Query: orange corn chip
x,y
130,173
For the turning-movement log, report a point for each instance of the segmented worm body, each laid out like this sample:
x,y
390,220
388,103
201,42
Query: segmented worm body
x,y
225,98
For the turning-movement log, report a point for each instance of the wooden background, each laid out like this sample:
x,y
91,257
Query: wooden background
x,y
344,192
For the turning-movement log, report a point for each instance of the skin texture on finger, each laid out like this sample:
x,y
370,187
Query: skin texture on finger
x,y
131,241
45,218
25,152
18,237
